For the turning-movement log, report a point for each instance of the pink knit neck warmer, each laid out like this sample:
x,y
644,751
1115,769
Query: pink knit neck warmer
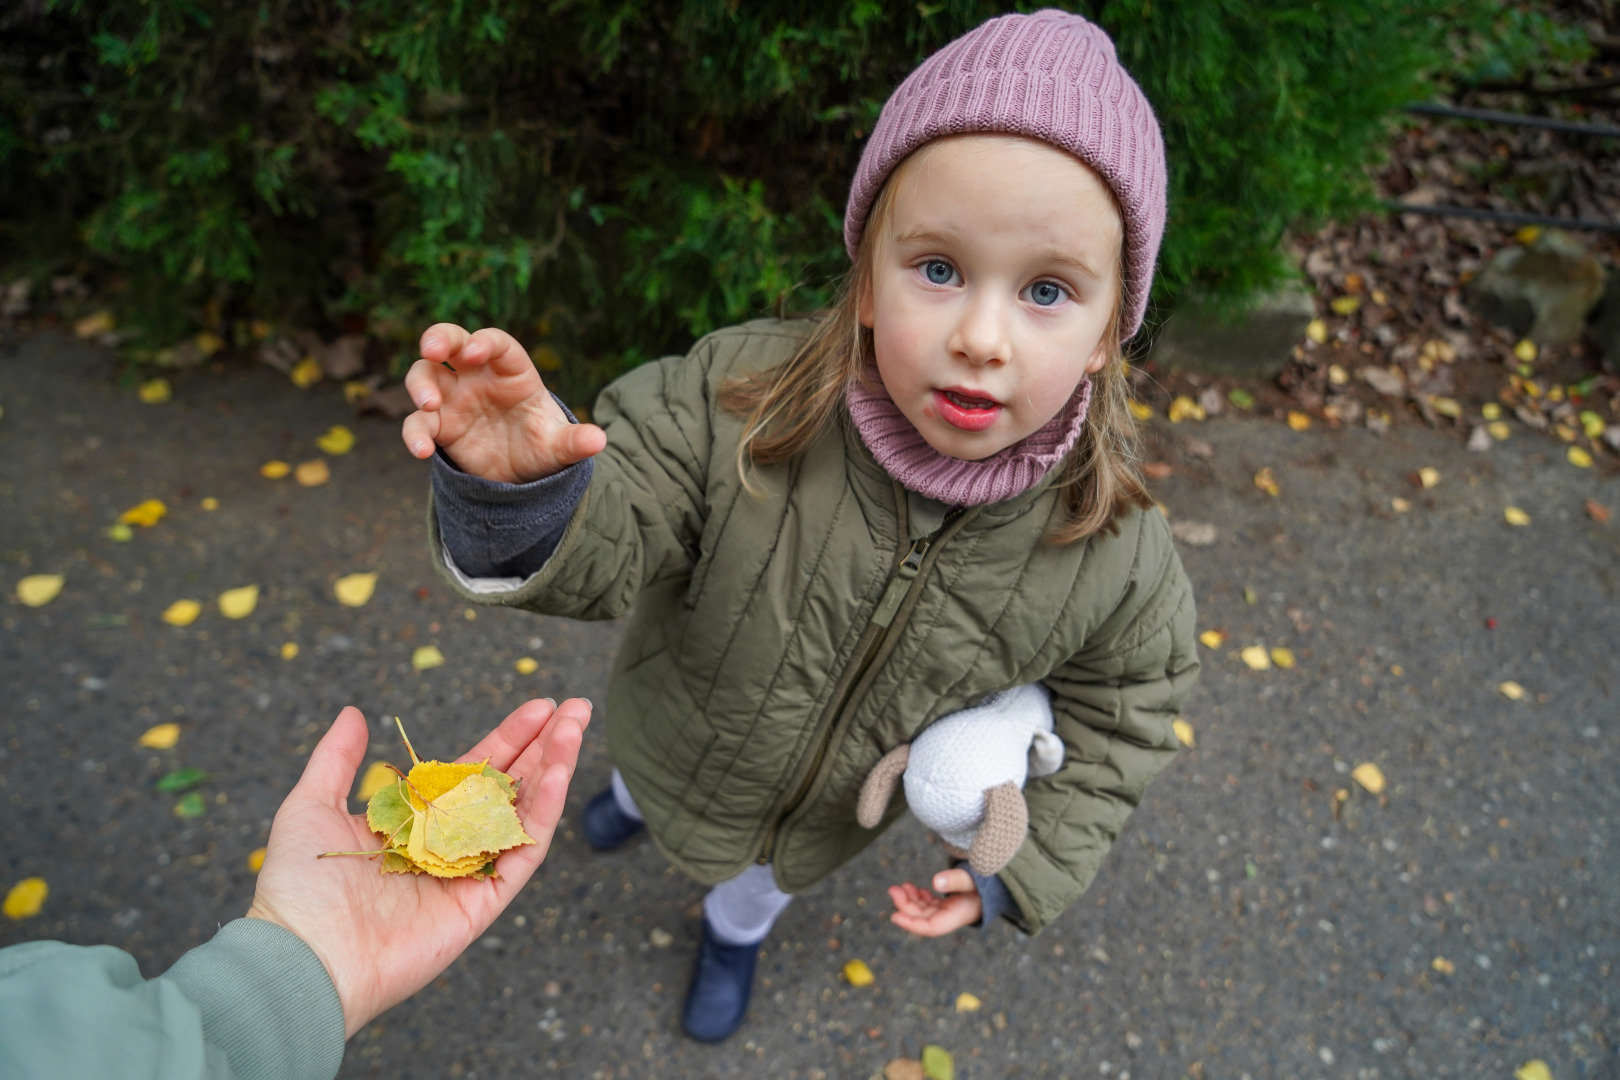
x,y
905,454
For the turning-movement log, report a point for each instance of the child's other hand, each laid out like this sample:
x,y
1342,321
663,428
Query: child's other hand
x,y
921,912
491,414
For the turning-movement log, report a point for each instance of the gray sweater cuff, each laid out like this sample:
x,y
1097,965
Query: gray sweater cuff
x,y
266,1000
994,896
498,530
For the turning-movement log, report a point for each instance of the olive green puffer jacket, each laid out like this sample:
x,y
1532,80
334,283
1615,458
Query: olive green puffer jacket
x,y
781,641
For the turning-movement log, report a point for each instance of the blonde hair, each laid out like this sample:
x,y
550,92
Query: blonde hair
x,y
789,406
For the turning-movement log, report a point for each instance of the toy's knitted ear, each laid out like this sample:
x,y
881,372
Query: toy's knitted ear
x,y
879,786
1045,754
1001,834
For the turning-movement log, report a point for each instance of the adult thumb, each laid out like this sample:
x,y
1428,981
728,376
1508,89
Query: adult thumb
x,y
330,772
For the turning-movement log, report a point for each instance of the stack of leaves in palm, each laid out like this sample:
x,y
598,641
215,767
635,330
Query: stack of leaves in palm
x,y
449,820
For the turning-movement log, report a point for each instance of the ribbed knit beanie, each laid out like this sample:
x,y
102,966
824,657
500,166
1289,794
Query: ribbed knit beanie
x,y
1051,76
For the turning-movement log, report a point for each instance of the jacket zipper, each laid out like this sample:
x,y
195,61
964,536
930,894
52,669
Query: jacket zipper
x,y
894,595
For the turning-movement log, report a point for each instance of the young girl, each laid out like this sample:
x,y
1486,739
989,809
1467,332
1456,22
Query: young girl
x,y
830,534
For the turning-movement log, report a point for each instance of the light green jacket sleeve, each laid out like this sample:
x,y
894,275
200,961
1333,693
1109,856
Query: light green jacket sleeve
x,y
254,1003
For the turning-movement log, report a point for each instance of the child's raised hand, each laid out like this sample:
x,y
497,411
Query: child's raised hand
x,y
489,409
921,912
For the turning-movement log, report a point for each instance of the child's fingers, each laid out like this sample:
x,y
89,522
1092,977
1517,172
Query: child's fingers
x,y
578,442
428,383
955,880
441,341
420,432
499,350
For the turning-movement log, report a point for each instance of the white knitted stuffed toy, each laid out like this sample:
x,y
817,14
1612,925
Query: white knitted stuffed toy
x,y
964,775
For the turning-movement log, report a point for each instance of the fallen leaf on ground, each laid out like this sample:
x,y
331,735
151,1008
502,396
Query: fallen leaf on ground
x,y
1317,331
144,514
1157,470
1194,533
1499,430
119,533
1369,776
378,776
858,973
428,656
1579,458
25,898
1491,411
1443,966
306,373
526,665
239,603
1298,421
274,470
1400,505
1141,410
937,1063
1514,516
966,1003
1534,1069
37,590
353,590
1525,350
1185,408
155,391
210,503
160,736
446,819
1428,477
1283,658
1346,305
337,441
1212,639
1267,482
660,938
289,650
1597,511
1184,733
1511,690
904,1069
1337,375
1592,424
1256,657
190,807
1240,397
91,325
255,859
182,613
313,473
181,780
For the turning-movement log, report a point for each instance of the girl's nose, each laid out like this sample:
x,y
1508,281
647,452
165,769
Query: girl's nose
x,y
980,337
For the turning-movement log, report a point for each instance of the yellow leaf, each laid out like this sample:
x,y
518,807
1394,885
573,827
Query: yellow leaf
x,y
258,329
378,776
1428,477
1529,234
1141,410
966,1003
209,504
1400,505
1256,657
145,514
1298,421
1346,305
1337,375
274,470
1511,690
160,737
526,665
469,614
1317,331
1267,482
289,650
182,613
1491,411
1443,966
255,859
1534,1069
1212,639
1499,429
858,973
313,473
1184,733
119,533
1283,658
937,1063
155,391
208,343
1380,297
306,373
1447,407
353,590
1525,350
1369,776
91,325
239,603
1514,516
1592,424
1579,458
26,898
37,590
1185,408
338,440
1565,432
428,656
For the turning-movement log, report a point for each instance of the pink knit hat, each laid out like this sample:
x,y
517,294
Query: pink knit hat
x,y
1051,76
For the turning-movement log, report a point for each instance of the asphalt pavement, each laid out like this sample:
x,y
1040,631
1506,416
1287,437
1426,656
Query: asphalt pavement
x,y
1263,915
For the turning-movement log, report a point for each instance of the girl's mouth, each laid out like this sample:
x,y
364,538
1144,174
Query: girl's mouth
x,y
966,411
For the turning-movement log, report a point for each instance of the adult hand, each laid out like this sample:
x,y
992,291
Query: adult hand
x,y
489,409
921,912
384,937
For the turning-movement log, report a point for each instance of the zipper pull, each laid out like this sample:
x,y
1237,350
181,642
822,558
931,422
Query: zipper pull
x,y
900,583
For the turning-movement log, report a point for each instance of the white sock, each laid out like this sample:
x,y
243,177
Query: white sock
x,y
621,796
743,910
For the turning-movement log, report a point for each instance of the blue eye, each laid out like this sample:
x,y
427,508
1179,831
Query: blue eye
x,y
1045,293
938,272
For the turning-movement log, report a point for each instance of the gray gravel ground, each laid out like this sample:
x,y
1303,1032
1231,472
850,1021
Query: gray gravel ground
x,y
1241,927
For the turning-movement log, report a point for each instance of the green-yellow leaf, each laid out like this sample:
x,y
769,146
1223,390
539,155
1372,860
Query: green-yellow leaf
x,y
37,590
191,806
937,1063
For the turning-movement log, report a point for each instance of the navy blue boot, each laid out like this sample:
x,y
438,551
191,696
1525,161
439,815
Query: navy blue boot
x,y
717,1000
605,825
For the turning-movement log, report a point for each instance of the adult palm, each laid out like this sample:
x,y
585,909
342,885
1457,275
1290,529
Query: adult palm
x,y
383,937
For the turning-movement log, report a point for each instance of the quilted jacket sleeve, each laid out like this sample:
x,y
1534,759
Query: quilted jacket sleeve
x,y
642,515
1113,705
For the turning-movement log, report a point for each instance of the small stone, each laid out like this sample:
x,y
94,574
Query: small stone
x,y
1542,291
